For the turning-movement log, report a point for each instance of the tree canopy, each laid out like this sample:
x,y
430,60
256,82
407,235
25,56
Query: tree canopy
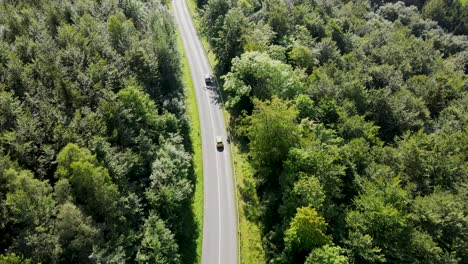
x,y
352,115
95,163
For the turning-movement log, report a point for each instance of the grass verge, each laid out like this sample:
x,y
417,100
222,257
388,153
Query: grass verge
x,y
251,243
195,138
251,248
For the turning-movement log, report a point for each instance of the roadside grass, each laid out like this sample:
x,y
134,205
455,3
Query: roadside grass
x,y
195,138
464,2
251,243
250,239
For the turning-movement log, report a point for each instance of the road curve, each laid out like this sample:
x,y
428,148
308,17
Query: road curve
x,y
219,218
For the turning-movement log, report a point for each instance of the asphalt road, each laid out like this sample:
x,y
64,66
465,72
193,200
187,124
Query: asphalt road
x,y
219,218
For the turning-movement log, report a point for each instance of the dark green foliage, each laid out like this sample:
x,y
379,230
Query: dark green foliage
x,y
158,245
451,15
356,110
92,134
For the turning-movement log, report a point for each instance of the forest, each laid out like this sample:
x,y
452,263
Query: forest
x,y
354,118
95,158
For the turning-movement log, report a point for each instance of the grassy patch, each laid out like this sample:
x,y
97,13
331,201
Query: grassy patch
x,y
464,2
195,138
251,243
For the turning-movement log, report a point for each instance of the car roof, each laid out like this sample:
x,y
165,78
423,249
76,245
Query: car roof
x,y
219,138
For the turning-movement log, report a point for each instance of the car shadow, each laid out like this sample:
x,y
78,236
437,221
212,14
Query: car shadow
x,y
220,149
214,95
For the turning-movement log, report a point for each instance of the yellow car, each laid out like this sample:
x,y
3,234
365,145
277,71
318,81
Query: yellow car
x,y
219,142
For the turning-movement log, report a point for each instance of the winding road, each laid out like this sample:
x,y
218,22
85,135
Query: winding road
x,y
219,216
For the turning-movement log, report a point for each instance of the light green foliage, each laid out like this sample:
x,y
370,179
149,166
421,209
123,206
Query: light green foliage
x,y
256,75
306,231
29,201
91,183
30,205
356,127
63,191
454,118
158,244
327,255
12,258
306,107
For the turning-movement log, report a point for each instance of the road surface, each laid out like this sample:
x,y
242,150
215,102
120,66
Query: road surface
x,y
219,218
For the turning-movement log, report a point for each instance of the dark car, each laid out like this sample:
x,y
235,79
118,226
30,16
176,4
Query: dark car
x,y
209,79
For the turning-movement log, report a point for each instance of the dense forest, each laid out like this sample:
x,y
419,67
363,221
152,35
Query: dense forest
x,y
95,163
354,115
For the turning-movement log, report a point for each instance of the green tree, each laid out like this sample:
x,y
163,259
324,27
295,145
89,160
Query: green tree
x,y
451,15
307,192
91,183
170,186
76,234
441,216
121,32
12,258
432,160
158,244
302,57
272,132
256,75
317,161
278,18
306,232
257,37
133,121
380,219
30,209
229,43
327,255
9,111
214,13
